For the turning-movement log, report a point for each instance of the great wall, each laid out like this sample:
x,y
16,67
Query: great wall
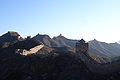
x,y
30,51
82,50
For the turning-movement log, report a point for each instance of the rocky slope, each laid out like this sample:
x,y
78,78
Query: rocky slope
x,y
59,41
55,63
100,51
104,52
46,64
10,36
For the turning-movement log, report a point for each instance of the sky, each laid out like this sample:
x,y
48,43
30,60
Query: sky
x,y
74,19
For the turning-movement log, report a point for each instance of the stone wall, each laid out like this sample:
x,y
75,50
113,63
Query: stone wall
x,y
31,51
82,51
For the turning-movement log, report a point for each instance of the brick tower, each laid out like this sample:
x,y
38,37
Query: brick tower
x,y
81,46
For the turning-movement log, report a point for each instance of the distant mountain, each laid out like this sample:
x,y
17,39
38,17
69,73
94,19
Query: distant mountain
x,y
118,42
59,41
45,39
104,52
10,36
63,41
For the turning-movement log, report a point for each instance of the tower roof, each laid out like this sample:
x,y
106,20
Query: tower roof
x,y
82,41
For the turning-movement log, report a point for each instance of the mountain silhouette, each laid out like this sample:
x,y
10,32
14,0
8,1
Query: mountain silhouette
x,y
57,60
104,52
10,36
59,41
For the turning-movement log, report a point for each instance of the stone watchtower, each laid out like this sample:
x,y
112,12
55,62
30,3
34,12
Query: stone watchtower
x,y
82,50
81,46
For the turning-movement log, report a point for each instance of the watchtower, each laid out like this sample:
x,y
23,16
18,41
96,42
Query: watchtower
x,y
81,46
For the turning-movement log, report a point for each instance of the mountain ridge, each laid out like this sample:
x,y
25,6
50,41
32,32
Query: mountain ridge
x,y
52,63
10,36
58,41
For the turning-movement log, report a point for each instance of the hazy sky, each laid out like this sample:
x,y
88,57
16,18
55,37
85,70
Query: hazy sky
x,y
74,19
